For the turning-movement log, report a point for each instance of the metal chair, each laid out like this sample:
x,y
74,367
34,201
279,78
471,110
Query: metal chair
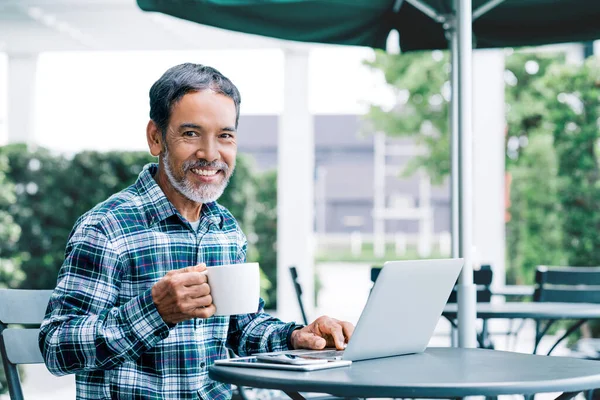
x,y
565,285
298,290
568,285
19,343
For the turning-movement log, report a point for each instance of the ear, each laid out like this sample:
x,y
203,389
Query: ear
x,y
154,137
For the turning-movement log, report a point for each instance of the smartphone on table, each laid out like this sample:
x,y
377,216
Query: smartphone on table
x,y
292,359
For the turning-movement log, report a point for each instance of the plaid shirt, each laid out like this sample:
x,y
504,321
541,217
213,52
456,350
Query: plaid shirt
x,y
102,324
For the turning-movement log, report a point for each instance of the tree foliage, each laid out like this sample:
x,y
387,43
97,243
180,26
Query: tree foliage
x,y
552,114
557,103
10,272
524,103
421,84
534,233
571,96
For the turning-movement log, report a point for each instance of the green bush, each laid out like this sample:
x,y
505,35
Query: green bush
x,y
555,192
265,229
52,191
534,233
571,94
10,273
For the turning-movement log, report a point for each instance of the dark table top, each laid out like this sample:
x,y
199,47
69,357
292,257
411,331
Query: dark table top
x,y
438,372
533,310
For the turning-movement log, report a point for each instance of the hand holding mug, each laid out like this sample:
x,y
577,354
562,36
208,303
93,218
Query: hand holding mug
x,y
183,294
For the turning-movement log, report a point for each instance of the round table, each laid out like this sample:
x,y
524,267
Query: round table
x,y
438,372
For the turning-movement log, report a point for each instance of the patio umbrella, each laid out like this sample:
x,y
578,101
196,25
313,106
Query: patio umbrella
x,y
497,23
422,25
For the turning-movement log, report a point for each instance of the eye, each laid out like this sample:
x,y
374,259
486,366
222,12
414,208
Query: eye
x,y
226,136
190,134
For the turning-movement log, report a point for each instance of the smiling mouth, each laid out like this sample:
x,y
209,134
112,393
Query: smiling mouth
x,y
205,172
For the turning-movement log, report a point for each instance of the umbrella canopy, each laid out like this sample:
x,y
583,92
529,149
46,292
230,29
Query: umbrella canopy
x,y
368,22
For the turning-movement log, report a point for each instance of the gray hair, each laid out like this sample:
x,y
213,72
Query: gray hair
x,y
182,79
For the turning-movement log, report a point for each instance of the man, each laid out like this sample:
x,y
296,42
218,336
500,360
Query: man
x,y
132,314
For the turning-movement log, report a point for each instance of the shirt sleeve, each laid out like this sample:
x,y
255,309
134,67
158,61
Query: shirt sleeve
x,y
84,329
258,333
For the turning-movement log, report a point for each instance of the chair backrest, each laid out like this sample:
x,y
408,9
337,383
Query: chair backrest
x,y
481,277
21,312
298,290
567,284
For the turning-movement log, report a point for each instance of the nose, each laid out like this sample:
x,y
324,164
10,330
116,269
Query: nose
x,y
209,150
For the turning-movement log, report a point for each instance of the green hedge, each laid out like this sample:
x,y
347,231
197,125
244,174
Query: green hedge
x,y
10,274
53,190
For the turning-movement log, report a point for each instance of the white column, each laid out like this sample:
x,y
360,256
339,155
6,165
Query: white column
x,y
379,203
488,161
426,217
321,197
21,96
574,53
295,187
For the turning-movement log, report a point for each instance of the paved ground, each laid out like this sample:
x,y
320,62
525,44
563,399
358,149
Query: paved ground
x,y
344,293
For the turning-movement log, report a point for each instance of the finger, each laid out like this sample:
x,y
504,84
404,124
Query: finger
x,y
334,329
194,268
204,301
348,330
307,340
197,291
191,279
189,304
204,312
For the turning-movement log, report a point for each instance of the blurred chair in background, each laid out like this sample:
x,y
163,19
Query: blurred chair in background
x,y
298,289
569,285
21,313
565,285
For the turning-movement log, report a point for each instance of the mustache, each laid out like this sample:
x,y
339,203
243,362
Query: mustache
x,y
205,164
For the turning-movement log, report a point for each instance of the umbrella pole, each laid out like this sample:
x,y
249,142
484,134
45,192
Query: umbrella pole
x,y
462,60
459,31
455,142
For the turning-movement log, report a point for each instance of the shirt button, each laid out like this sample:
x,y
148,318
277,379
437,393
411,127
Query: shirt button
x,y
202,365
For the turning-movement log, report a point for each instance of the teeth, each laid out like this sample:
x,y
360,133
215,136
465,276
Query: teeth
x,y
205,172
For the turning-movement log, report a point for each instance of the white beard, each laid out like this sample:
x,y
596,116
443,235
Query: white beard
x,y
206,193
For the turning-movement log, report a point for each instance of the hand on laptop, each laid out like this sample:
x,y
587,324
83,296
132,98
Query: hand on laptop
x,y
323,332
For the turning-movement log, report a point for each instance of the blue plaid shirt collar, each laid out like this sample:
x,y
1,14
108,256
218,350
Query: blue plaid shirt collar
x,y
157,206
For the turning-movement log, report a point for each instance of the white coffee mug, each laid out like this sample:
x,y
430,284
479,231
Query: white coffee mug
x,y
235,288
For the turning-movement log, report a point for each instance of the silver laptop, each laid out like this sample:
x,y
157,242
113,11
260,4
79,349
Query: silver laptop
x,y
401,313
